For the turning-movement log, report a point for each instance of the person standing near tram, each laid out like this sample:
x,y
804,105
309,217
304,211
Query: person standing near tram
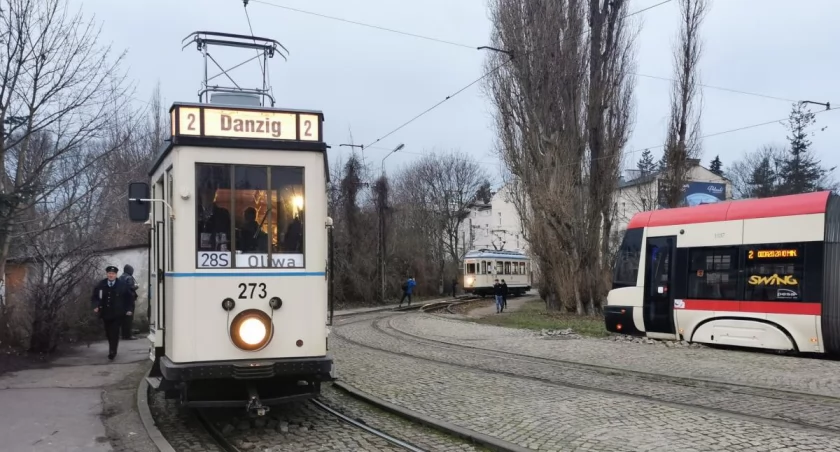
x,y
111,299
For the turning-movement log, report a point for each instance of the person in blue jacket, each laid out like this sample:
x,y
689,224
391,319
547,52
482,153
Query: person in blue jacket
x,y
407,288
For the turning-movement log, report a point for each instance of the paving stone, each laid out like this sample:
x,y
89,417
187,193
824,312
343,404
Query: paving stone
x,y
793,373
546,406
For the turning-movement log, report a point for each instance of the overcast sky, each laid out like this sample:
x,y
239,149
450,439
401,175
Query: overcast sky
x,y
367,82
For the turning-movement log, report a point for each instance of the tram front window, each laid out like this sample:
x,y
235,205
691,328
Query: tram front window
x,y
212,217
267,209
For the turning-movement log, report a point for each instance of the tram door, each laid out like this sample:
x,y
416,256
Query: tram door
x,y
658,301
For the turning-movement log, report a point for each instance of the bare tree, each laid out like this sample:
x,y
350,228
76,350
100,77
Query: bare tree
x,y
682,142
563,113
58,86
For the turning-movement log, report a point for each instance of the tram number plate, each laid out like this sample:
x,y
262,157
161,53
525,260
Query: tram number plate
x,y
213,259
251,289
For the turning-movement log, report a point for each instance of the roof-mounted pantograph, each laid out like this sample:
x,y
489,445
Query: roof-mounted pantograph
x,y
265,48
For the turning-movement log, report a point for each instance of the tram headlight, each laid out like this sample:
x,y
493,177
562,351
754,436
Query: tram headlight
x,y
251,330
470,281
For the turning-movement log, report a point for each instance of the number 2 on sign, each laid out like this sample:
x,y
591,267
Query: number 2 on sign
x,y
243,295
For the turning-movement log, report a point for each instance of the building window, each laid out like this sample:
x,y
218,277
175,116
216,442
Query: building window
x,y
774,272
254,213
713,273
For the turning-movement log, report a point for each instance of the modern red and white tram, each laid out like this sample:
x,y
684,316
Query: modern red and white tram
x,y
759,273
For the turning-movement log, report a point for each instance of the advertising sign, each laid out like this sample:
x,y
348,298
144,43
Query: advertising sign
x,y
696,193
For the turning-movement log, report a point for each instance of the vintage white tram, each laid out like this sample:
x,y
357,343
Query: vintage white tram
x,y
239,254
482,267
758,273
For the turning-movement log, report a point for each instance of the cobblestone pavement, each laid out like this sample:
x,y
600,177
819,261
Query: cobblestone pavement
x,y
543,406
297,427
817,376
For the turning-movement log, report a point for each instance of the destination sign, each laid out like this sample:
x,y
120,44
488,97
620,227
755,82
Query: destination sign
x,y
771,254
253,124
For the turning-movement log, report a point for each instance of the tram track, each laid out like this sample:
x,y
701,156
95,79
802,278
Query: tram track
x,y
611,370
213,439
776,405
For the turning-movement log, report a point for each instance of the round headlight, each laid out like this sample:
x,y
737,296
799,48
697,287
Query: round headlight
x,y
251,330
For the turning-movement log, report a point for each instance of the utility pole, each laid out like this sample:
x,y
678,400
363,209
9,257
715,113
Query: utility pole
x,y
360,146
382,201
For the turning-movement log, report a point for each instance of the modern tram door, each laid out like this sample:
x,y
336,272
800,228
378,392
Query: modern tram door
x,y
658,300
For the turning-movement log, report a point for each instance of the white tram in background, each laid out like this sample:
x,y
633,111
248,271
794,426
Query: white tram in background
x,y
239,255
759,273
483,267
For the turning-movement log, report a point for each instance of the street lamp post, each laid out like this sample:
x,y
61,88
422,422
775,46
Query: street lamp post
x,y
382,229
827,105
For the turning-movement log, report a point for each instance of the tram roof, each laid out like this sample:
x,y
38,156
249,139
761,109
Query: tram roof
x,y
778,206
179,137
494,254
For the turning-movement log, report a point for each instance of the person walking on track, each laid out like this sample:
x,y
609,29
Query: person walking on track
x,y
408,288
111,299
497,290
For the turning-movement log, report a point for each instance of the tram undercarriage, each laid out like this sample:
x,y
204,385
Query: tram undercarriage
x,y
253,385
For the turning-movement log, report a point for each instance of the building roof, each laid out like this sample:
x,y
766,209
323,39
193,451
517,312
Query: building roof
x,y
779,206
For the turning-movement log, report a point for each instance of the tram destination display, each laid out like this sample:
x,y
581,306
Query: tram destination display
x,y
210,121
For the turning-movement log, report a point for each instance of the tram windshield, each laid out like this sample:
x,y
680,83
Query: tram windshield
x,y
255,213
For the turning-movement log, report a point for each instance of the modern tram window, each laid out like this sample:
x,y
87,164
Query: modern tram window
x,y
774,272
255,213
713,273
627,262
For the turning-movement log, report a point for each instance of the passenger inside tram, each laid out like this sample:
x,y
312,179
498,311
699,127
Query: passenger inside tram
x,y
213,221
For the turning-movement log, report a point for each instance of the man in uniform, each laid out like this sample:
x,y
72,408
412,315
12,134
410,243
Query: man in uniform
x,y
112,301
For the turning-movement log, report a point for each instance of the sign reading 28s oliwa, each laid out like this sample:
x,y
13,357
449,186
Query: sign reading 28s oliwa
x,y
210,121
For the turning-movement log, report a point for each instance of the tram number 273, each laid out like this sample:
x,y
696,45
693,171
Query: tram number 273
x,y
244,295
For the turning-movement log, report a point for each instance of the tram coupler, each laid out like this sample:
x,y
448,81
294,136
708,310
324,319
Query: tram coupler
x,y
254,406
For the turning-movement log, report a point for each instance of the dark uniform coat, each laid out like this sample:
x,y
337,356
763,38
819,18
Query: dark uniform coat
x,y
113,302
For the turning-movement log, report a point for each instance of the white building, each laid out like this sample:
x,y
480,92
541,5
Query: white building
x,y
493,226
638,193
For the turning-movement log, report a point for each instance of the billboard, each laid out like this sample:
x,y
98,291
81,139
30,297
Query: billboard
x,y
697,193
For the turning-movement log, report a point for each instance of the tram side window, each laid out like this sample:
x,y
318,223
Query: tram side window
x,y
507,268
627,262
774,272
713,273
470,269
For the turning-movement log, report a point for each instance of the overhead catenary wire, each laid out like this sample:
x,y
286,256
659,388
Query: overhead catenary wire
x,y
362,24
490,72
461,45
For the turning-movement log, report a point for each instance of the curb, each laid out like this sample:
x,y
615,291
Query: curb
x,y
146,417
489,442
